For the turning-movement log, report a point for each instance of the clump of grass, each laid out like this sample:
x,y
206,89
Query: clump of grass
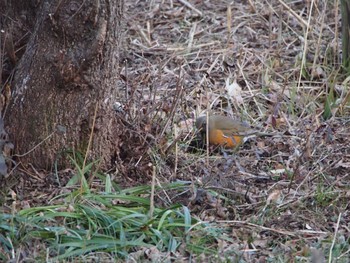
x,y
115,223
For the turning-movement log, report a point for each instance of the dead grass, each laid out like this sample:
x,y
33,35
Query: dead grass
x,y
272,64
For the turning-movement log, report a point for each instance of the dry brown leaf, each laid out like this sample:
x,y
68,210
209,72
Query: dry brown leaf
x,y
274,197
234,90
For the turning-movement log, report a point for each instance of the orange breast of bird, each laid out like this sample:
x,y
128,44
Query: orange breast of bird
x,y
223,131
218,137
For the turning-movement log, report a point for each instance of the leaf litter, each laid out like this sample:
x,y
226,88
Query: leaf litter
x,y
268,63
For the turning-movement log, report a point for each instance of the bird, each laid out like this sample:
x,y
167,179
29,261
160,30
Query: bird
x,y
223,130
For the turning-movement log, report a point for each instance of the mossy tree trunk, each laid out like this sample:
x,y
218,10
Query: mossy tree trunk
x,y
65,82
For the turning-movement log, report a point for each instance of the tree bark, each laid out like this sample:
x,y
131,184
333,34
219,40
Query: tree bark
x,y
345,14
66,82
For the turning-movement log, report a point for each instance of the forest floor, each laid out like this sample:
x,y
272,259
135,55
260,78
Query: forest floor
x,y
280,198
274,67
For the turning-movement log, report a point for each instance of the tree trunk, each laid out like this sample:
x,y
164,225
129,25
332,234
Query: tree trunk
x,y
345,14
66,81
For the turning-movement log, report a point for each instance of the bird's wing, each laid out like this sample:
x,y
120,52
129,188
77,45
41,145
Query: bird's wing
x,y
238,133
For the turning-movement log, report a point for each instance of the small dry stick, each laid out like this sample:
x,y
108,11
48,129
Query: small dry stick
x,y
91,136
279,231
145,36
229,24
252,6
149,30
191,36
342,255
151,205
333,242
207,131
191,7
36,146
179,92
320,36
270,27
303,61
294,14
176,152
